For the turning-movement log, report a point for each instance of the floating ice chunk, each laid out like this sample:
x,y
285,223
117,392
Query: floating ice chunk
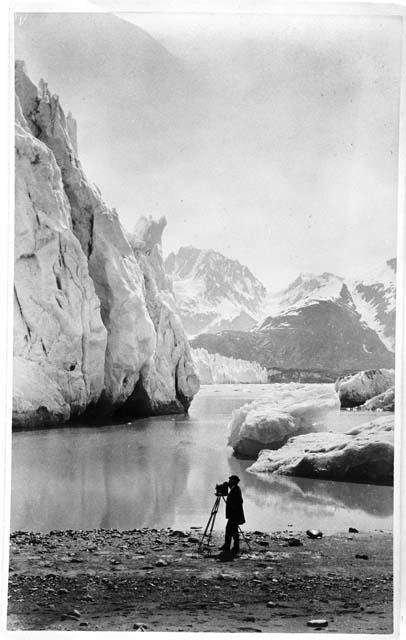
x,y
269,423
357,389
363,454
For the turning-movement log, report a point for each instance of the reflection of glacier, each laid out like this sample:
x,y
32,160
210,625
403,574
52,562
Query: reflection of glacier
x,y
115,476
212,368
161,472
324,494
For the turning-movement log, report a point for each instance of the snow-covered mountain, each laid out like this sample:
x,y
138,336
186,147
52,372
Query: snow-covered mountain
x,y
317,342
373,298
307,288
319,327
214,293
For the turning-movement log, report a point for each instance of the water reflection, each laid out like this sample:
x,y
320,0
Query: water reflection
x,y
372,499
162,472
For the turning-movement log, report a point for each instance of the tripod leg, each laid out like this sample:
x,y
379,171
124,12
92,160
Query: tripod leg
x,y
210,524
205,531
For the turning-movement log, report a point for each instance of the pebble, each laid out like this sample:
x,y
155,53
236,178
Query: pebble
x,y
314,533
271,604
140,626
294,542
317,623
352,530
161,563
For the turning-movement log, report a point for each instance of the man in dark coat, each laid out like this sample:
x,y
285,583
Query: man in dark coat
x,y
234,515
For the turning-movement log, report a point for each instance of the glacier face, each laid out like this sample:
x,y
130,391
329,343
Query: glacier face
x,y
215,369
213,292
92,328
59,337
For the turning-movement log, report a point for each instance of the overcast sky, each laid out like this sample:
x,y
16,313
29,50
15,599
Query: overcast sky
x,y
299,169
281,150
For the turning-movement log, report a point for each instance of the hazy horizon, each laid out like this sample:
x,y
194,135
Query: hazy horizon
x,y
271,139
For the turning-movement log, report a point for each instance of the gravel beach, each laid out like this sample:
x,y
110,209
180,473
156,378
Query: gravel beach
x,y
155,580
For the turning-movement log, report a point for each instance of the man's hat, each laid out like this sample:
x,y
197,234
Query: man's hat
x,y
235,478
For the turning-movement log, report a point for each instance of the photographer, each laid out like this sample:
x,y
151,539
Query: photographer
x,y
234,515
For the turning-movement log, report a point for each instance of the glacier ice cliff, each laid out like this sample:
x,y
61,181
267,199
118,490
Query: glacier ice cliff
x,y
363,454
213,368
94,327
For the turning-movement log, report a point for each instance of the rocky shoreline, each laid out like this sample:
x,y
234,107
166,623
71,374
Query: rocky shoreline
x,y
155,580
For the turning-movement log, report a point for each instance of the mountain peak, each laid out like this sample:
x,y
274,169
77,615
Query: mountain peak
x,y
214,292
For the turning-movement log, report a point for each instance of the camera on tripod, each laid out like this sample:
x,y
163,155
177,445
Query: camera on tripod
x,y
222,489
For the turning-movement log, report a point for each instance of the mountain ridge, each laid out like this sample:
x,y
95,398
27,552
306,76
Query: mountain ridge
x,y
211,297
213,292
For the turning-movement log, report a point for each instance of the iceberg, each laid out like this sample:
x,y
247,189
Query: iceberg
x,y
363,454
355,390
269,423
383,402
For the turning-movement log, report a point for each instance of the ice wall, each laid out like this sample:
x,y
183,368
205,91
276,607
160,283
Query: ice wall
x,y
92,328
213,368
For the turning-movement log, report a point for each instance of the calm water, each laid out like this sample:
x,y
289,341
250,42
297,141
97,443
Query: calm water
x,y
161,472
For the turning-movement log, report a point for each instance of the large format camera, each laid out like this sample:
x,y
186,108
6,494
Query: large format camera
x,y
222,489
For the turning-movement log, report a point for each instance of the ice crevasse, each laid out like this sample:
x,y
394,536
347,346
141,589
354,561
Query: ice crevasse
x,y
95,329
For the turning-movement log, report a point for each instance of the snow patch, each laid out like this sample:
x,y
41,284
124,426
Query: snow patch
x,y
368,312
